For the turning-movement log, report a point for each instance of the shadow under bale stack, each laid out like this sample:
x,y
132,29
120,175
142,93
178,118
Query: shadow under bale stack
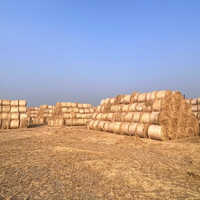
x,y
161,115
13,114
71,114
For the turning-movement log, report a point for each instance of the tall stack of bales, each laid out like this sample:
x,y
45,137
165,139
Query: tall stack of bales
x,y
71,114
33,115
161,115
195,104
45,113
13,114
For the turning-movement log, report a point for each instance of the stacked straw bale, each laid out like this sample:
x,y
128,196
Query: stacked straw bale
x,y
161,115
33,115
45,113
71,114
13,114
195,104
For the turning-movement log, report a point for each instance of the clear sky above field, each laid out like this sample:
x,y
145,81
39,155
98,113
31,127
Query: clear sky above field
x,y
87,50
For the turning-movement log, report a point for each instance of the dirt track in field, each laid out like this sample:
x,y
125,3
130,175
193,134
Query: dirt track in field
x,y
75,163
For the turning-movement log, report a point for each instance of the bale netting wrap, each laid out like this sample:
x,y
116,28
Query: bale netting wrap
x,y
72,114
161,115
13,114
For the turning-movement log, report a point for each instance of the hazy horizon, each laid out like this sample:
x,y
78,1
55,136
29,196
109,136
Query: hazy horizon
x,y
85,51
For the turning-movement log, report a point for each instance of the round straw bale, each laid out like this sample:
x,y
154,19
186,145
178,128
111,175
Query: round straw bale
x,y
106,126
195,114
125,108
101,125
109,116
128,117
154,117
115,127
162,94
21,103
98,109
188,101
73,109
87,110
134,98
102,116
95,125
14,116
132,107
5,123
94,116
5,116
67,116
24,123
74,105
153,95
136,117
14,109
140,107
145,117
22,109
68,122
14,103
194,101
112,101
118,117
23,116
62,104
5,102
14,124
106,101
148,96
5,109
132,128
142,97
82,111
90,124
91,110
59,122
99,116
156,132
124,128
194,108
157,105
142,130
126,99
50,123
102,102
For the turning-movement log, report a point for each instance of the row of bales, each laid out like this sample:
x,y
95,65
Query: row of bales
x,y
71,114
161,115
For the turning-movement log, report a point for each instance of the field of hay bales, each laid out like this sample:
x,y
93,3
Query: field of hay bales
x,y
76,163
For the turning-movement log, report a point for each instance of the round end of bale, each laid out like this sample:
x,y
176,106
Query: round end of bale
x,y
157,132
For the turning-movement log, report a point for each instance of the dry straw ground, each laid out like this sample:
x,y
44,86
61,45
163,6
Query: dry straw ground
x,y
76,163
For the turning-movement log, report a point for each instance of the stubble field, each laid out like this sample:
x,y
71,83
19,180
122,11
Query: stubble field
x,y
76,163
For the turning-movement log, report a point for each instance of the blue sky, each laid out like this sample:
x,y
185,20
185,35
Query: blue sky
x,y
87,50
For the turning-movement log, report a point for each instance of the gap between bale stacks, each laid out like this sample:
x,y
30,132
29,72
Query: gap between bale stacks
x,y
161,115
